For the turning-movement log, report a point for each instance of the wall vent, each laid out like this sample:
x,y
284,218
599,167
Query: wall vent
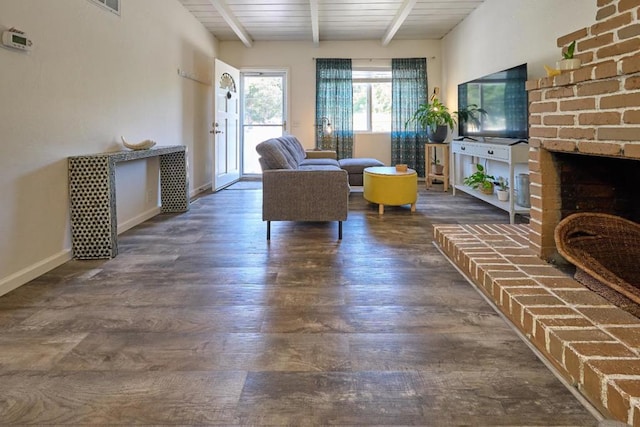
x,y
110,5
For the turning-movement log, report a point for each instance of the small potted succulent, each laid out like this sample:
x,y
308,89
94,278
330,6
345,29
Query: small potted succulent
x,y
437,167
568,62
479,180
502,190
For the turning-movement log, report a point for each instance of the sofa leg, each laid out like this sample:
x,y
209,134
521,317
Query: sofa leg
x,y
268,230
339,230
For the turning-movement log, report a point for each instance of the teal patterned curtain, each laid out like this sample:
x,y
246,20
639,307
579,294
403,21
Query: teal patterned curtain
x,y
408,91
334,101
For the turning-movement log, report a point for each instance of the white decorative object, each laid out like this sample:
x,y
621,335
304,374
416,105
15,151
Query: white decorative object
x,y
144,145
568,61
568,64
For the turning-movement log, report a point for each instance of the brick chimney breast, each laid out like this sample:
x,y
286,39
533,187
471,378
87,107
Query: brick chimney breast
x,y
591,111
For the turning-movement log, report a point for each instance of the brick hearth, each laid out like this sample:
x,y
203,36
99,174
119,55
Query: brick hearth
x,y
592,343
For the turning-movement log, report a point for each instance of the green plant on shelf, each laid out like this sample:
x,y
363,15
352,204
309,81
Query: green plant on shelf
x,y
480,180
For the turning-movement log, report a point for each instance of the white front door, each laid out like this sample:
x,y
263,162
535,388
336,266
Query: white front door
x,y
225,128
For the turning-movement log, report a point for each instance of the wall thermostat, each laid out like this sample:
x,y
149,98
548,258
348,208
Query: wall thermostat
x,y
16,40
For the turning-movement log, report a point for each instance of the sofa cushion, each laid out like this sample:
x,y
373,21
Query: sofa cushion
x,y
318,168
355,168
274,156
322,162
293,146
357,165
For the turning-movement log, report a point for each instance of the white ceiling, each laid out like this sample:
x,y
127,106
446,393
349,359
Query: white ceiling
x,y
320,20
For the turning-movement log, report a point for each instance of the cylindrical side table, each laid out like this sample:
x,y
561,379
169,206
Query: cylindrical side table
x,y
385,185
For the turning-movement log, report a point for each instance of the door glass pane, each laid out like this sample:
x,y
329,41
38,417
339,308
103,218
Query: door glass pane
x,y
263,115
263,100
254,135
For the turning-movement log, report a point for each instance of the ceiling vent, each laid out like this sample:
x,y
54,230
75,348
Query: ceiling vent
x,y
110,5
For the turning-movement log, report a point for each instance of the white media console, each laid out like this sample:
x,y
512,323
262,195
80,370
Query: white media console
x,y
511,153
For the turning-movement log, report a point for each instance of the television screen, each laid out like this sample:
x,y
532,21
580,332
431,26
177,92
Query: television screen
x,y
504,97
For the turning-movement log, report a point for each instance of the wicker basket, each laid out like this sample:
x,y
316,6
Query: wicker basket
x,y
605,249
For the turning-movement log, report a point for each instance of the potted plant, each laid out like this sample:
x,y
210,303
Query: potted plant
x,y
437,167
435,117
479,180
568,62
503,189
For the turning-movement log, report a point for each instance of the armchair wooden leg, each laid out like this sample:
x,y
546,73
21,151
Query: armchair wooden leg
x,y
268,230
339,230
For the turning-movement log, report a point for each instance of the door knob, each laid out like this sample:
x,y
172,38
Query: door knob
x,y
216,131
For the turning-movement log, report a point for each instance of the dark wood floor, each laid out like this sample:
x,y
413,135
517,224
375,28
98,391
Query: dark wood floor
x,y
200,321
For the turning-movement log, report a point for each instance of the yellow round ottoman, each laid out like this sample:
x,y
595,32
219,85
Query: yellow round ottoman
x,y
385,185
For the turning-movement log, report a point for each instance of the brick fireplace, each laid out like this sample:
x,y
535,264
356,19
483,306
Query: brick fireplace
x,y
585,127
584,157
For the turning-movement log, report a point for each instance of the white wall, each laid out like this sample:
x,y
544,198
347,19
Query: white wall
x,y
298,57
501,34
91,77
373,145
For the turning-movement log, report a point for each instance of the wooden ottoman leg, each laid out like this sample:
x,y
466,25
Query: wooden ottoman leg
x,y
380,209
413,207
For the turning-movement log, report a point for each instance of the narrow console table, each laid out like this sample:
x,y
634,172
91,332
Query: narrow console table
x,y
92,194
507,152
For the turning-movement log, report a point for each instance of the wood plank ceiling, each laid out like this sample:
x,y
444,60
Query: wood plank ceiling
x,y
320,20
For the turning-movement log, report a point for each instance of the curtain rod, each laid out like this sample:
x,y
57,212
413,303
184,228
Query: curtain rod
x,y
372,59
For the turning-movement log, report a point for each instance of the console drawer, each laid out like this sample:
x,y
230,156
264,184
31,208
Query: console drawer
x,y
486,151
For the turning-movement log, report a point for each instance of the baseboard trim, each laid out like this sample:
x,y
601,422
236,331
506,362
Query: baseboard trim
x,y
199,190
27,274
138,219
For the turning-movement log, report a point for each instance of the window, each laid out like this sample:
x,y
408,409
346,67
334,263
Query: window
x,y
372,101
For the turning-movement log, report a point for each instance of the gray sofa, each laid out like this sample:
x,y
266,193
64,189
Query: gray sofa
x,y
297,188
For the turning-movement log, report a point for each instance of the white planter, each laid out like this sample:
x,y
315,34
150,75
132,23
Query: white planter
x,y
503,195
568,64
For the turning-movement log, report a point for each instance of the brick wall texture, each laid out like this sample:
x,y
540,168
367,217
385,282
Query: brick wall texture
x,y
594,110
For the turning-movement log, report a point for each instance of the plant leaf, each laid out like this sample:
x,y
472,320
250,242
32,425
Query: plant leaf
x,y
570,50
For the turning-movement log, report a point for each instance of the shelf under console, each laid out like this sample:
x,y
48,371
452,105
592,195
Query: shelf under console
x,y
507,152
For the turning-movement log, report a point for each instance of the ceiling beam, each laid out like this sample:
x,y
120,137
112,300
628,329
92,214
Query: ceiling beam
x,y
315,29
223,9
398,20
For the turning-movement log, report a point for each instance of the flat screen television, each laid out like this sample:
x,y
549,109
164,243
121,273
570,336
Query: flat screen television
x,y
504,97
